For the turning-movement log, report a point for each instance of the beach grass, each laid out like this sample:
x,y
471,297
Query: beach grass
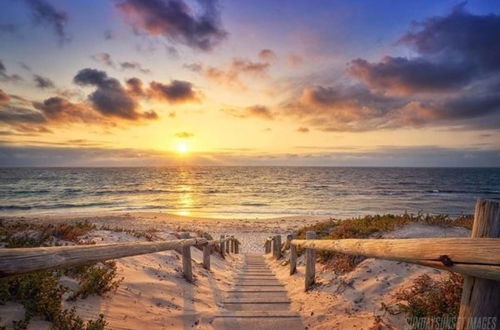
x,y
41,293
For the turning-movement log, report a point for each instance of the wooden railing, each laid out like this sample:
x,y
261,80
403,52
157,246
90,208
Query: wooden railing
x,y
25,260
478,258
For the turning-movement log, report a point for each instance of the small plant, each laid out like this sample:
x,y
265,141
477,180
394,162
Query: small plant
x,y
369,226
429,298
41,295
97,279
68,320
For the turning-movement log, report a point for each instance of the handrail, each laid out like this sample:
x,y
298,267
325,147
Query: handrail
x,y
14,261
478,257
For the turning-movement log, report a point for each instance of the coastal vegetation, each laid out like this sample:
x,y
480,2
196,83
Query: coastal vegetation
x,y
41,293
425,296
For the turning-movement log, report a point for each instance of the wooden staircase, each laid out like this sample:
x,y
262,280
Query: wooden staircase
x,y
257,300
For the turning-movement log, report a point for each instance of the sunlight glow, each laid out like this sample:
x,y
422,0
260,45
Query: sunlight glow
x,y
182,148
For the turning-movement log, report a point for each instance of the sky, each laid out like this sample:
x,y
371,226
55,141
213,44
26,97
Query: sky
x,y
264,82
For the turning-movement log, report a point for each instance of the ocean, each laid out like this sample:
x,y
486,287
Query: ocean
x,y
247,192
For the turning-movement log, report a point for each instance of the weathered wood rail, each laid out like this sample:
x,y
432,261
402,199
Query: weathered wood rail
x,y
478,258
25,260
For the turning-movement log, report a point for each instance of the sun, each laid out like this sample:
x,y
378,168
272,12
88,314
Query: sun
x,y
182,148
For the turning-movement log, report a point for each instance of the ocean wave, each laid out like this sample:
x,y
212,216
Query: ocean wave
x,y
14,207
140,192
253,204
483,192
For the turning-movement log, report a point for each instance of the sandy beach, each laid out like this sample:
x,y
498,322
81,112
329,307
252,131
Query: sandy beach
x,y
154,295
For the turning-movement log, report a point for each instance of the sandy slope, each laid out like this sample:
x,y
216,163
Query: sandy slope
x,y
354,300
251,232
153,294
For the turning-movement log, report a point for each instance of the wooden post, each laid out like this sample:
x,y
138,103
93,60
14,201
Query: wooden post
x,y
207,250
310,262
228,243
186,260
236,247
277,246
293,255
273,246
233,244
266,246
222,246
481,297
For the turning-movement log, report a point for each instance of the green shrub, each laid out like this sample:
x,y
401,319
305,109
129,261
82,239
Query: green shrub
x,y
430,298
369,226
41,295
97,279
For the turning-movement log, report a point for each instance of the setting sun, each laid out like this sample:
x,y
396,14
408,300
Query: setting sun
x,y
182,148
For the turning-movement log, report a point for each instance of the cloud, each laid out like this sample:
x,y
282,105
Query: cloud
x,y
4,98
8,28
129,65
42,82
5,77
184,135
135,87
45,13
176,91
232,75
256,111
406,76
58,109
175,20
343,108
14,115
294,60
104,58
267,55
110,98
81,155
260,111
452,81
452,52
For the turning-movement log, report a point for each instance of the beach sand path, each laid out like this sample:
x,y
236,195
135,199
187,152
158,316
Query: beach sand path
x,y
257,300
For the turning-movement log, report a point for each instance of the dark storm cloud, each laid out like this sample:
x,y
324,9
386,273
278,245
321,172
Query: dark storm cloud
x,y
45,13
109,98
452,81
176,92
402,75
461,35
42,82
453,51
175,20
